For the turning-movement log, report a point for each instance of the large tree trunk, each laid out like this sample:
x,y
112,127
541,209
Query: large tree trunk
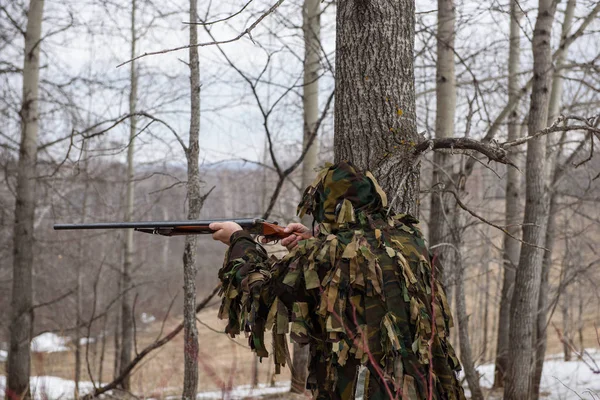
x,y
312,34
375,121
126,300
553,111
442,203
512,205
190,379
21,322
527,283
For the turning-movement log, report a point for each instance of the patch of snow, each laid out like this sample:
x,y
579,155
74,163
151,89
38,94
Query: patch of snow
x,y
562,380
3,355
50,387
147,318
246,391
84,340
48,343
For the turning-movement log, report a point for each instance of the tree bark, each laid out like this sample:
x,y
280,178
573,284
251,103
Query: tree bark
x,y
311,15
128,249
512,205
21,322
553,111
375,121
190,379
528,278
442,203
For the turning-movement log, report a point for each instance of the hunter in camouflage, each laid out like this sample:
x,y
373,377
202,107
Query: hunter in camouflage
x,y
359,294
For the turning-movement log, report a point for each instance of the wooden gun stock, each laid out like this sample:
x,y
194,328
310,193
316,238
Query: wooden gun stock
x,y
275,232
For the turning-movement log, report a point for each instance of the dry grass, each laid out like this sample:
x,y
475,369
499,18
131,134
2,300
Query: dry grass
x,y
223,361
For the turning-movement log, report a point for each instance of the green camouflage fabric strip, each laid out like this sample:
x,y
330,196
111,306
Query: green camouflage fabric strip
x,y
360,294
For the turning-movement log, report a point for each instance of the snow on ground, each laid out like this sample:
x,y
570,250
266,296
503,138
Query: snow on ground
x,y
51,387
48,343
147,318
561,380
3,355
84,340
246,391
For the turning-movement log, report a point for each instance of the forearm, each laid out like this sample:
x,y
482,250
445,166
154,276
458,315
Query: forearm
x,y
243,256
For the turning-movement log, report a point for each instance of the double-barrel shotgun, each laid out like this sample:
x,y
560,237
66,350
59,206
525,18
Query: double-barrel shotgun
x,y
269,230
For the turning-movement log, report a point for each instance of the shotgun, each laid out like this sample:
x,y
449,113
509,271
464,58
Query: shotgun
x,y
269,230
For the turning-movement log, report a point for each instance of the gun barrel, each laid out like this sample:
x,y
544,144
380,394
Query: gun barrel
x,y
244,223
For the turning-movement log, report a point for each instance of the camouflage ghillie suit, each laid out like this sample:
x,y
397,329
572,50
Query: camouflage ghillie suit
x,y
360,294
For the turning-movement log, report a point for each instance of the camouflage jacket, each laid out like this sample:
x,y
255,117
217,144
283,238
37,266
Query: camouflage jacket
x,y
360,294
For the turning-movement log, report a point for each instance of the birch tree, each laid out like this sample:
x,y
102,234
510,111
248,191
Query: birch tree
x,y
554,149
528,277
312,44
445,87
21,323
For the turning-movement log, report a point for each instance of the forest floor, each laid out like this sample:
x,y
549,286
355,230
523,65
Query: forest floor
x,y
228,363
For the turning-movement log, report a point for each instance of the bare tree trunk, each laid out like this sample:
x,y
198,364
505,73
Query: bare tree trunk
x,y
466,355
442,203
566,302
102,350
126,300
21,322
528,278
311,14
190,379
512,204
117,334
486,312
553,110
580,322
375,121
79,277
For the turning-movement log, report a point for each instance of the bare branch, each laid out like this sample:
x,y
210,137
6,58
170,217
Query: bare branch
x,y
499,151
492,150
222,19
246,31
55,300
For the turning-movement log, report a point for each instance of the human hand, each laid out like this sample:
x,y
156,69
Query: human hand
x,y
292,241
224,230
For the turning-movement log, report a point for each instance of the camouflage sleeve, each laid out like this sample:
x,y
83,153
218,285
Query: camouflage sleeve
x,y
251,300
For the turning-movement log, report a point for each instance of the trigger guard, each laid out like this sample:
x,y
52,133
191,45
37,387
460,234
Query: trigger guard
x,y
269,241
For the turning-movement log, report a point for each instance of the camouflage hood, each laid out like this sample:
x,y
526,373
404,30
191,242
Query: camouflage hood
x,y
339,192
